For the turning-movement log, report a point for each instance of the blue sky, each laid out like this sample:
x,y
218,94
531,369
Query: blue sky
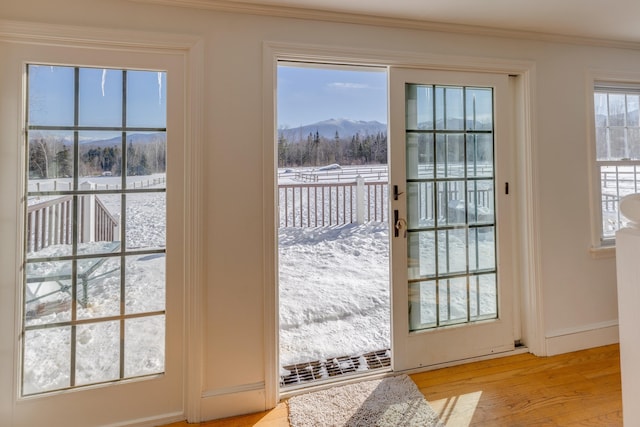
x,y
305,95
308,95
51,92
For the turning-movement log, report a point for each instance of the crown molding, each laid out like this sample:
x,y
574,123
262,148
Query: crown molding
x,y
56,35
384,21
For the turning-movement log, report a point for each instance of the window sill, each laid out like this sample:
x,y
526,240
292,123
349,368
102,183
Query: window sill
x,y
603,252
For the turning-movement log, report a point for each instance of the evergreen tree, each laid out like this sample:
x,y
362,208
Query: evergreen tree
x,y
38,167
107,159
283,152
63,159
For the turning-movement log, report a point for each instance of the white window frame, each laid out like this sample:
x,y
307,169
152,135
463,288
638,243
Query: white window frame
x,y
119,254
603,243
27,43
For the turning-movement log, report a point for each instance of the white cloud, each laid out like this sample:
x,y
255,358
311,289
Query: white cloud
x,y
346,85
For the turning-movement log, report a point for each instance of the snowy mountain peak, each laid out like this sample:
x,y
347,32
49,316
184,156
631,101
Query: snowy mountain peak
x,y
345,128
346,122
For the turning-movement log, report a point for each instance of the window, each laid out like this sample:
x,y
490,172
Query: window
x,y
95,226
617,126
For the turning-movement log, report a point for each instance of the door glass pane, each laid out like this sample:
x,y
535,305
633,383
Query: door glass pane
x,y
47,363
419,107
421,247
144,345
487,307
452,252
146,99
479,155
144,276
420,152
100,100
98,352
449,108
146,230
94,308
100,163
49,225
420,204
50,160
423,311
479,107
482,245
452,300
48,104
450,207
480,202
98,287
48,292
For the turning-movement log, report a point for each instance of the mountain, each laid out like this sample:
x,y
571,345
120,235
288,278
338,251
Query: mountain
x,y
136,138
327,129
66,140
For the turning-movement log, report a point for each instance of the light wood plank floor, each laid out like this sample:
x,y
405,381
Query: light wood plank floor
x,y
574,389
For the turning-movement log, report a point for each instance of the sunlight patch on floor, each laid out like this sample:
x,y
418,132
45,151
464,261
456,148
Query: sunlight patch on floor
x,y
457,410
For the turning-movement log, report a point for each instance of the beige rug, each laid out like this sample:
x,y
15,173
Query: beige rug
x,y
392,402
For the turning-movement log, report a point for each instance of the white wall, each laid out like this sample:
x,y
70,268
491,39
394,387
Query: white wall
x,y
579,292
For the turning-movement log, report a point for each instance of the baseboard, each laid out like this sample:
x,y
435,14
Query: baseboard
x,y
588,336
231,401
152,421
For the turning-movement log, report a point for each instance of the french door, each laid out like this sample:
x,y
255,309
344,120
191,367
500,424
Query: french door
x,y
450,239
116,392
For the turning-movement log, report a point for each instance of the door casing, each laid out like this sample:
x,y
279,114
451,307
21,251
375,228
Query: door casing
x,y
526,270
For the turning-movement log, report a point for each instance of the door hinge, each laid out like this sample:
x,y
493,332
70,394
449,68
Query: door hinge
x,y
506,188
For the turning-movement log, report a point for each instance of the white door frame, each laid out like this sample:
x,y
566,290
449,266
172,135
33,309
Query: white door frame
x,y
527,218
188,50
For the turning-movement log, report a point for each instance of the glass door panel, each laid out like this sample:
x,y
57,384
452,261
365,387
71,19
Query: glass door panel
x,y
445,132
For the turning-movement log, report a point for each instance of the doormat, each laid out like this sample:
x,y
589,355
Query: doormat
x,y
392,402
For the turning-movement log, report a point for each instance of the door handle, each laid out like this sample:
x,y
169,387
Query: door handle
x,y
399,224
396,193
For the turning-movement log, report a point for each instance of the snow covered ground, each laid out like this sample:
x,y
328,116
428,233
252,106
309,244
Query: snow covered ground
x,y
334,291
47,351
333,284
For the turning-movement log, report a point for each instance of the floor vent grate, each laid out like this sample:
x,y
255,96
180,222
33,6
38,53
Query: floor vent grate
x,y
319,370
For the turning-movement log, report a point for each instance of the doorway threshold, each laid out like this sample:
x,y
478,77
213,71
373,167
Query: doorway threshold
x,y
311,373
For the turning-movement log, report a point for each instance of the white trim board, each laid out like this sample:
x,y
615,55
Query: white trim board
x,y
232,401
152,421
582,338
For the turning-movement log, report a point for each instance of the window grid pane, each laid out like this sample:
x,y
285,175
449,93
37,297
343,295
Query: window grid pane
x,y
450,205
81,318
616,181
617,138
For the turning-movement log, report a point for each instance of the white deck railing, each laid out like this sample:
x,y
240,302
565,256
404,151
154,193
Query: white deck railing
x,y
318,204
51,222
326,204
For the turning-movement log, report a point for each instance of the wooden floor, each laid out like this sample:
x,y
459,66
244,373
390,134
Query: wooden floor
x,y
573,389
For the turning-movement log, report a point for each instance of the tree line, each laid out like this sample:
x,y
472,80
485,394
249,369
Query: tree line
x,y
52,157
317,150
